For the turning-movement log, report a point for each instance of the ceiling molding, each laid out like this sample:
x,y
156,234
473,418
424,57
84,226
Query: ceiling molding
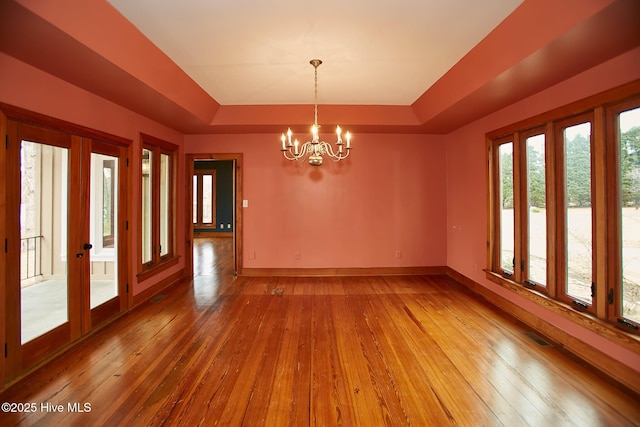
x,y
164,93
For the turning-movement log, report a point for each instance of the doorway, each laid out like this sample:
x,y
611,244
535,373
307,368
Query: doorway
x,y
65,221
193,214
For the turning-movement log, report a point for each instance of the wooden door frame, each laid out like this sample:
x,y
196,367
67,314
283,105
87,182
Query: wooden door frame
x,y
11,118
105,311
237,215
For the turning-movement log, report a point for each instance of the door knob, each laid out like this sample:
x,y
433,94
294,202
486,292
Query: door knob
x,y
87,246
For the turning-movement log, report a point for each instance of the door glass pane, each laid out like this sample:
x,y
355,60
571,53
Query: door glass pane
x,y
43,229
577,143
164,204
103,210
195,199
536,192
630,212
147,217
507,231
207,199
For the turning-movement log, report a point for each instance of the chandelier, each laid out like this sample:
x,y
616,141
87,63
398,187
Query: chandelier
x,y
315,148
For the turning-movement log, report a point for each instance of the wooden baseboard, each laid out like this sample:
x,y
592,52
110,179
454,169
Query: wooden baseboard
x,y
354,271
157,288
607,365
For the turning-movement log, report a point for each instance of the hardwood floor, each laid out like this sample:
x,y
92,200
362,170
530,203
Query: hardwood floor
x,y
274,351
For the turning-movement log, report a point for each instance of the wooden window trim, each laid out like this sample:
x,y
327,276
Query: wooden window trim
x,y
561,220
602,110
158,262
589,321
158,268
496,246
524,201
613,202
199,173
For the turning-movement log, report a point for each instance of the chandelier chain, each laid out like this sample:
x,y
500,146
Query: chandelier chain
x,y
315,97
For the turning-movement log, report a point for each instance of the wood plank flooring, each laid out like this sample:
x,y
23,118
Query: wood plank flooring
x,y
351,351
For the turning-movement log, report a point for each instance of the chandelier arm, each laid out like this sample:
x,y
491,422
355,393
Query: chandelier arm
x,y
289,154
329,150
292,157
346,154
335,156
303,150
315,148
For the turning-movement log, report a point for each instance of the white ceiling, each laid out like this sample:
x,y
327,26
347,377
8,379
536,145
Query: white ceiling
x,y
376,52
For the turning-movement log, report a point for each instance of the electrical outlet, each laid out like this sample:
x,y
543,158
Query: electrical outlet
x,y
298,255
398,254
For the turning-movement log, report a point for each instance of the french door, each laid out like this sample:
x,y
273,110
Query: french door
x,y
65,231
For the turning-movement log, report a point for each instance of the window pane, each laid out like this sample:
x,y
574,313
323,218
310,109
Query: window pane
x,y
630,212
103,276
43,239
164,204
195,199
577,143
207,199
147,217
108,203
507,252
536,192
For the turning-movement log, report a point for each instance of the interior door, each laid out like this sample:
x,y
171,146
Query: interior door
x,y
63,195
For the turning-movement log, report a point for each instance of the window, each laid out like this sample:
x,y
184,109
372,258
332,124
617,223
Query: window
x,y
507,232
536,203
626,133
564,208
108,203
157,204
577,212
204,198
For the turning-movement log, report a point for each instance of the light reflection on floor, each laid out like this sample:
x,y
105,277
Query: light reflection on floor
x,y
526,387
212,258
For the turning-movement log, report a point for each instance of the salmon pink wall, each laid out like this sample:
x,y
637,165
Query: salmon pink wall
x,y
387,197
24,86
466,185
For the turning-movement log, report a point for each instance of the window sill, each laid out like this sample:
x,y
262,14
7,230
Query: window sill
x,y
156,269
603,328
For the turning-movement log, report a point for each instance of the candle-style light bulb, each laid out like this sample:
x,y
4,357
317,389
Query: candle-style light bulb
x,y
348,139
289,133
284,140
339,133
295,147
